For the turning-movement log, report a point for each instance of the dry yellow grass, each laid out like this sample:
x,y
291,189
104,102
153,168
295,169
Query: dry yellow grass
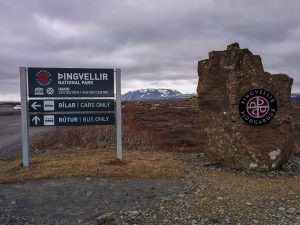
x,y
135,164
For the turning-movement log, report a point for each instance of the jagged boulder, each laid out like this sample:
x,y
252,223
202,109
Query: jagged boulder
x,y
245,112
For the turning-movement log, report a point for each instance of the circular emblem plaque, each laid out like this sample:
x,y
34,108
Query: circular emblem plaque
x,y
257,107
43,77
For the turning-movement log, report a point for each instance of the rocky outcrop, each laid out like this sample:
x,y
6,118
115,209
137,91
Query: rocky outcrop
x,y
245,112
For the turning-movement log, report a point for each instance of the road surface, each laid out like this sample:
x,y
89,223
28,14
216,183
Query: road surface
x,y
11,136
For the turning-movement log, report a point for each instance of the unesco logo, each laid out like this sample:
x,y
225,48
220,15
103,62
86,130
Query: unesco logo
x,y
257,107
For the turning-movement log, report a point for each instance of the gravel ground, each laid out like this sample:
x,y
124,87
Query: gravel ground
x,y
205,195
72,201
220,196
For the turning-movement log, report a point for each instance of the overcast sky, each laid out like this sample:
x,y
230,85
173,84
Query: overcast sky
x,y
156,43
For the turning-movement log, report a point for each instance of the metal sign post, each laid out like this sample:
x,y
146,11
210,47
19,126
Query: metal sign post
x,y
119,114
24,116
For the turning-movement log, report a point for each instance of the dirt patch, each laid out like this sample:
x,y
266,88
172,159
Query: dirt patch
x,y
214,195
135,164
73,201
243,194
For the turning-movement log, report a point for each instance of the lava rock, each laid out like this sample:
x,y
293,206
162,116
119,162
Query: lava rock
x,y
230,141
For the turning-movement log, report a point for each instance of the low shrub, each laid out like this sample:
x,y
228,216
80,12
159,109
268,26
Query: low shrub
x,y
95,137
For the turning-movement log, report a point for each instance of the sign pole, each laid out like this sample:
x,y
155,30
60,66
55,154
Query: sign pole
x,y
25,145
119,114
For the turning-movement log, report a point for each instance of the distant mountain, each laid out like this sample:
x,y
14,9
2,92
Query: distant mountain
x,y
295,97
153,94
168,94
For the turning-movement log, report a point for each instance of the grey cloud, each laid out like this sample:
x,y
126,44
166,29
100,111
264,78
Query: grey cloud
x,y
150,40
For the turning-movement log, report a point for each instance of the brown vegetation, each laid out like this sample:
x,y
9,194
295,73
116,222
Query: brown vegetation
x,y
296,117
87,163
174,125
95,137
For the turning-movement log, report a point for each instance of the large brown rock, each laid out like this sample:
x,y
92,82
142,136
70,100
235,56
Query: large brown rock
x,y
230,141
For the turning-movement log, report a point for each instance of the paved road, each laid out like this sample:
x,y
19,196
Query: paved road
x,y
10,136
7,109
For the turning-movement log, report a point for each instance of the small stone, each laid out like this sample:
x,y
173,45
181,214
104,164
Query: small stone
x,y
249,204
13,202
252,165
120,222
105,218
194,222
255,221
88,179
181,195
208,164
220,198
291,210
281,209
221,211
133,213
162,208
89,193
